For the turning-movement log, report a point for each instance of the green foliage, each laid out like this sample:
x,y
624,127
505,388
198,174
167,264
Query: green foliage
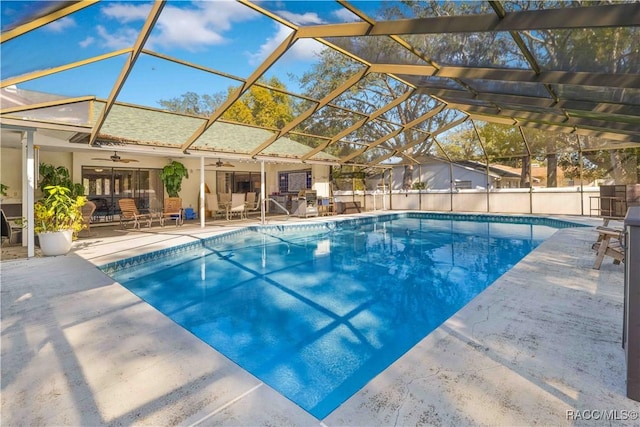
x,y
261,106
58,210
266,105
3,189
371,93
172,175
58,176
51,175
622,165
419,185
194,104
349,180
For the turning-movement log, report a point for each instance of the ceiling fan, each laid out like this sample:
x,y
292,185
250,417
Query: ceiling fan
x,y
116,158
220,164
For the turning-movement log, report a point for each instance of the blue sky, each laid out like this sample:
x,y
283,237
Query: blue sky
x,y
221,34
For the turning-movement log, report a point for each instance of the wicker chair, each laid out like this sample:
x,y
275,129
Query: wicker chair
x,y
87,214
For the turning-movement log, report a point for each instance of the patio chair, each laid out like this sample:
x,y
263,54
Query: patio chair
x,y
173,210
212,206
87,215
252,203
237,206
129,213
224,199
609,243
10,232
103,210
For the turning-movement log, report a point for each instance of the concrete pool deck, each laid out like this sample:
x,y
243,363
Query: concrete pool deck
x,y
542,345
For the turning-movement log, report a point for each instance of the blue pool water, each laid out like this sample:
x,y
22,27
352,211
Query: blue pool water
x,y
316,313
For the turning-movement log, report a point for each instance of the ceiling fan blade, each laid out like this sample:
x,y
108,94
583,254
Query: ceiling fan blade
x,y
220,164
114,159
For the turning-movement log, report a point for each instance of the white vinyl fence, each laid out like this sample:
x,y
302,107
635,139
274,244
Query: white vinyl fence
x,y
549,201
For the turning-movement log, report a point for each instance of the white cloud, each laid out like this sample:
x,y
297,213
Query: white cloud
x,y
126,37
87,42
193,27
309,18
187,29
61,24
269,45
306,49
345,15
126,13
303,49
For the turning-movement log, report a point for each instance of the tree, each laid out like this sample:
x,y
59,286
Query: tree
x,y
611,50
622,166
264,105
606,50
192,103
370,94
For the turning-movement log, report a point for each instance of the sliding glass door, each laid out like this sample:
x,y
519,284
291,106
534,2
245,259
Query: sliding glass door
x,y
105,186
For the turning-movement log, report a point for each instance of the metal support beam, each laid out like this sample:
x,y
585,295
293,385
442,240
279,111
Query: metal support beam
x,y
395,133
49,71
40,21
154,14
275,55
615,15
399,100
302,117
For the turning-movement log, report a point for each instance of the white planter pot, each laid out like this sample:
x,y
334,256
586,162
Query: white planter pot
x,y
55,242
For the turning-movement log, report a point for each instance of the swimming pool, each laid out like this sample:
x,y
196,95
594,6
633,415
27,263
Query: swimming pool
x,y
317,310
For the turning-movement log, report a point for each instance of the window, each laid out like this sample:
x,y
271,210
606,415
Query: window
x,y
462,185
294,181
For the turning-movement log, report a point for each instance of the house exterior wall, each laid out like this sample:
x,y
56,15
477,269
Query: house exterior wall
x,y
11,170
11,173
436,176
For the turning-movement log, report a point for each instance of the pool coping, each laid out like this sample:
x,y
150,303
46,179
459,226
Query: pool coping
x,y
328,224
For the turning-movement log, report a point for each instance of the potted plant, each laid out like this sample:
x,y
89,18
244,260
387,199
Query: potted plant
x,y
171,176
58,175
57,219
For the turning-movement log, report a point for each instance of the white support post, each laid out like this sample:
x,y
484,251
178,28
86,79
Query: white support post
x,y
263,196
28,187
25,187
201,210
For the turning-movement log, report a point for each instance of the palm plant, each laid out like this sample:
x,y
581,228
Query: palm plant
x,y
171,176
